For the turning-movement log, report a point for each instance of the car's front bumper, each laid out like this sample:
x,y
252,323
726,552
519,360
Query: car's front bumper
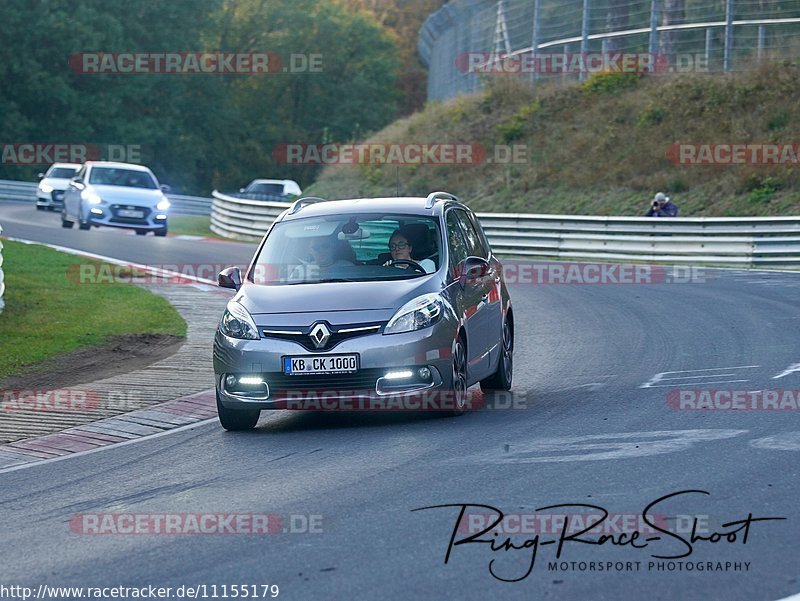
x,y
111,215
365,390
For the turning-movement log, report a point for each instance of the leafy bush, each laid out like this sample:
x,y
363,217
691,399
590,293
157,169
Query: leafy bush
x,y
609,83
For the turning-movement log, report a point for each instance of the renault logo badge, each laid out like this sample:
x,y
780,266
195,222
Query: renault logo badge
x,y
320,334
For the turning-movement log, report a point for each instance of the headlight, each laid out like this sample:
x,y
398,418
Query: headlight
x,y
46,188
422,312
163,205
238,323
91,197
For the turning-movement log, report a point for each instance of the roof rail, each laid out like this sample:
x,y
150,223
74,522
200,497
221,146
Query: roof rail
x,y
301,202
433,197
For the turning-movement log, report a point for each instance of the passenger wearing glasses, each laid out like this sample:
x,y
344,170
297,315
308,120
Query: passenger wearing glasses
x,y
401,249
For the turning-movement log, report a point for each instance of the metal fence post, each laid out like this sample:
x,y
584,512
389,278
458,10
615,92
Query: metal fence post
x,y
537,36
655,9
726,56
587,6
762,40
709,42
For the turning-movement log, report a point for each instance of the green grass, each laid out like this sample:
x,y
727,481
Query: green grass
x,y
191,225
599,147
48,312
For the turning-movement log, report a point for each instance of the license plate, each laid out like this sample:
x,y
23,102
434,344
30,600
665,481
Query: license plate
x,y
129,213
325,364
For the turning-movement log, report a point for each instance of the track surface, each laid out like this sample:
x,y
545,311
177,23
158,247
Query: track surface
x,y
586,431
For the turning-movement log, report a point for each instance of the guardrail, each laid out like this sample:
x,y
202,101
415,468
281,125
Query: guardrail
x,y
243,218
2,278
734,241
18,191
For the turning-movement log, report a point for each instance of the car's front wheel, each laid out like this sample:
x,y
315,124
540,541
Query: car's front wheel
x,y
236,420
141,232
503,377
459,378
64,221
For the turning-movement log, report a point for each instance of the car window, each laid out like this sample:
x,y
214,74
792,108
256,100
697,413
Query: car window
x,y
61,172
114,176
487,249
473,240
456,244
347,247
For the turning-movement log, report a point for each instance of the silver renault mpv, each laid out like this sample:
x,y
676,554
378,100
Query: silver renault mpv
x,y
364,304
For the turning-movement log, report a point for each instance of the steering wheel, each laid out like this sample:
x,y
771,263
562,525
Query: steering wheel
x,y
413,264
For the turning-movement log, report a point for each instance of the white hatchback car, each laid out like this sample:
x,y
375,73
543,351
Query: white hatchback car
x,y
116,195
50,191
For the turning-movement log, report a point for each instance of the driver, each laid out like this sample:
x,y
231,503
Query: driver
x,y
400,249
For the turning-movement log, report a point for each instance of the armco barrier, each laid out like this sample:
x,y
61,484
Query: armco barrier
x,y
11,190
734,241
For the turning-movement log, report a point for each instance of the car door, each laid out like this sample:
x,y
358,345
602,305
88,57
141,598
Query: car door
x,y
469,296
72,196
492,297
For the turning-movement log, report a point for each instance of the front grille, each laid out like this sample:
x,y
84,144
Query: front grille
x,y
302,335
362,380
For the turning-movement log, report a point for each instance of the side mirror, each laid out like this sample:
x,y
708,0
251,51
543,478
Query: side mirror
x,y
41,176
473,269
76,182
165,188
230,277
241,190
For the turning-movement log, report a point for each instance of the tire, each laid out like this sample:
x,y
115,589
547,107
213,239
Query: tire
x,y
51,208
162,232
237,420
84,226
64,222
459,379
141,232
504,376
40,208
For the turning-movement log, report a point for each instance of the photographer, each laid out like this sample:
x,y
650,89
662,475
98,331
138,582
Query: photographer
x,y
662,207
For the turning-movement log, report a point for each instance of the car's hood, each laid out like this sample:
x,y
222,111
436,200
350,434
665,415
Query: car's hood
x,y
379,298
123,195
58,183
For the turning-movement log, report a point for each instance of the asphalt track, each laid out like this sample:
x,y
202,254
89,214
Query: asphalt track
x,y
590,424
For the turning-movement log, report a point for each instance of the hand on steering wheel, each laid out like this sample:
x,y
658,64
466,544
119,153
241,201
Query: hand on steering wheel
x,y
413,264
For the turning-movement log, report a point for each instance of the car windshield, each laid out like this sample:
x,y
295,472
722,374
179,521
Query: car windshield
x,y
348,248
62,172
273,189
111,176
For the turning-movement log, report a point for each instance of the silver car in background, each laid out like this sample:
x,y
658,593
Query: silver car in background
x,y
119,195
53,184
356,303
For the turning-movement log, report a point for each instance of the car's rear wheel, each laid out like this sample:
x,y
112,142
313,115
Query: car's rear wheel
x,y
84,225
236,420
459,378
141,232
503,377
